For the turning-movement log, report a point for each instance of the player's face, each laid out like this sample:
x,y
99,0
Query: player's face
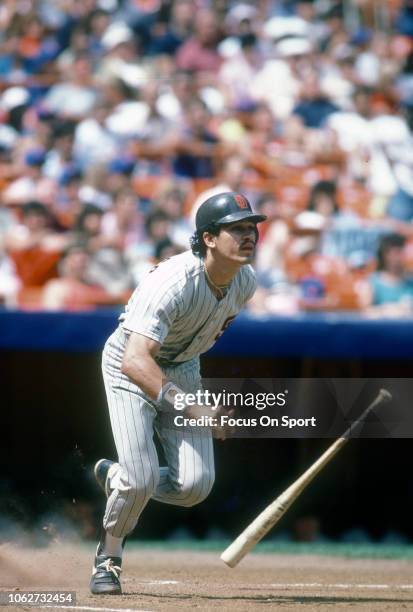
x,y
236,242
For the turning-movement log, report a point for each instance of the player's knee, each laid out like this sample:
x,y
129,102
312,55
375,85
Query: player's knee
x,y
140,490
195,490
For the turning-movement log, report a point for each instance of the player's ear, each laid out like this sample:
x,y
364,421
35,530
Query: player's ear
x,y
209,239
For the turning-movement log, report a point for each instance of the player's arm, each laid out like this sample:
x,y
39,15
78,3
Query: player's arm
x,y
140,366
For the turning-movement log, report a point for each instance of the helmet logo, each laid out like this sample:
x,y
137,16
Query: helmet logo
x,y
241,201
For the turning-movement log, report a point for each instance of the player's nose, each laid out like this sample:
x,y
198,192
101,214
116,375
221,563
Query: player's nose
x,y
249,234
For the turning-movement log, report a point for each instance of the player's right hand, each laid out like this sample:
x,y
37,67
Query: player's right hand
x,y
222,432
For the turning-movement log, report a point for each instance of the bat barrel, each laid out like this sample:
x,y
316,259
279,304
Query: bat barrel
x,y
237,550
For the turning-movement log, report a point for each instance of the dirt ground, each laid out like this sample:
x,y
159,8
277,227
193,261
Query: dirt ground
x,y
189,581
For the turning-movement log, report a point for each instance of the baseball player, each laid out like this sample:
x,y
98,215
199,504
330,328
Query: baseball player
x,y
176,313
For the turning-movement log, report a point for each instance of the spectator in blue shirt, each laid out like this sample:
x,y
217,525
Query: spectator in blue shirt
x,y
391,286
314,106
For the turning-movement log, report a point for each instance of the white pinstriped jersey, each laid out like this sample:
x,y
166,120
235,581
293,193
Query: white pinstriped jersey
x,y
174,305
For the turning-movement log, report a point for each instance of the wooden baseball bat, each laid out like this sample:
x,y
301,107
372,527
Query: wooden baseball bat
x,y
272,513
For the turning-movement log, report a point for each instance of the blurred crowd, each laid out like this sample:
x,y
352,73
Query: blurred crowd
x,y
119,117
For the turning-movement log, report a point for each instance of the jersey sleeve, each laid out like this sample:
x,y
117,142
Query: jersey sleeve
x,y
153,307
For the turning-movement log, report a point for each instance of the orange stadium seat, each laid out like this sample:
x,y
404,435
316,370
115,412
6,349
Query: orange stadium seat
x,y
35,266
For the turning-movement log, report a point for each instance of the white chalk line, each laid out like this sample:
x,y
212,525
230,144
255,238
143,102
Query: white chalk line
x,y
299,585
159,582
338,585
96,609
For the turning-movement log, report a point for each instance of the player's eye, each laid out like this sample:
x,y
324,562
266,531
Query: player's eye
x,y
242,228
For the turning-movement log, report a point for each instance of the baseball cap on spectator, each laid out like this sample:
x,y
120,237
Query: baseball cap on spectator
x,y
229,47
292,46
44,114
116,34
310,220
89,195
245,105
14,97
69,174
279,27
121,165
312,288
8,137
35,157
240,12
303,246
361,37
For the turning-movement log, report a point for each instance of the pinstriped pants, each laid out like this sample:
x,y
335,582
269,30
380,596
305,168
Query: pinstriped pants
x,y
189,475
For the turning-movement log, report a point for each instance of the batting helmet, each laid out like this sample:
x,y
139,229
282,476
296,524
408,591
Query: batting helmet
x,y
224,208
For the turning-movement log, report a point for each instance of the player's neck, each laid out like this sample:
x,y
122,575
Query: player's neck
x,y
220,273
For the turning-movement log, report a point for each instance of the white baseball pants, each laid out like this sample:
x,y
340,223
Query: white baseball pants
x,y
189,475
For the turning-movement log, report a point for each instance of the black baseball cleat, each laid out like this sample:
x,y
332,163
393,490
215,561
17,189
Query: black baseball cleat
x,y
103,470
105,574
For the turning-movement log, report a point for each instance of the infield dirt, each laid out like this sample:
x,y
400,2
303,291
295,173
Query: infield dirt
x,y
171,581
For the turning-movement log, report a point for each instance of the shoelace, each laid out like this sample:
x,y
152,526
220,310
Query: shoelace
x,y
109,566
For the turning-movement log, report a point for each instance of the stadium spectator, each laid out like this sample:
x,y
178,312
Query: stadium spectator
x,y
35,230
31,184
313,107
87,229
176,95
75,96
274,237
391,287
122,226
60,154
34,246
72,290
281,101
344,234
199,53
121,56
171,29
67,202
9,281
164,249
141,255
237,72
93,142
196,147
172,202
107,266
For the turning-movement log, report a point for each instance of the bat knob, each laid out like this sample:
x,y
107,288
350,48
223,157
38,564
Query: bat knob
x,y
385,395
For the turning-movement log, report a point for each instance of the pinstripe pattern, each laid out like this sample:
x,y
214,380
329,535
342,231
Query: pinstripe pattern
x,y
174,306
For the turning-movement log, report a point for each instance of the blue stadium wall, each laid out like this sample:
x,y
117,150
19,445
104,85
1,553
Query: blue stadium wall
x,y
55,424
